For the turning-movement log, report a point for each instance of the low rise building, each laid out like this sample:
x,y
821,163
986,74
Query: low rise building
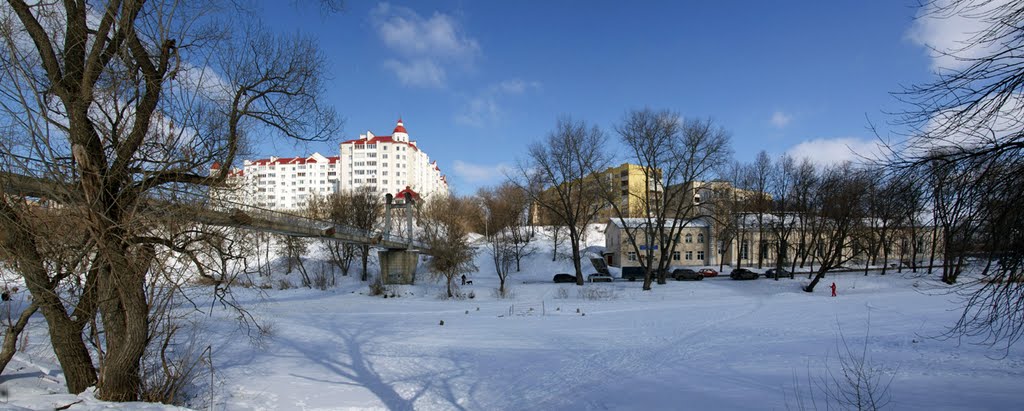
x,y
690,245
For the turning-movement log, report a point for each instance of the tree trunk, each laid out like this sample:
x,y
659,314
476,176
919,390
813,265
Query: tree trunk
x,y
11,336
935,241
365,256
574,238
885,255
65,334
821,274
125,313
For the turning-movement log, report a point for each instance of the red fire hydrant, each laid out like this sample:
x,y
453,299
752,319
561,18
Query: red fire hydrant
x,y
833,289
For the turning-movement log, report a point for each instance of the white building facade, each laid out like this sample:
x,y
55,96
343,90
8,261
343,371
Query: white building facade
x,y
282,183
389,164
385,164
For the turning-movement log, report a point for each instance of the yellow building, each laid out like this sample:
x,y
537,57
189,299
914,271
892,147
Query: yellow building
x,y
624,184
628,184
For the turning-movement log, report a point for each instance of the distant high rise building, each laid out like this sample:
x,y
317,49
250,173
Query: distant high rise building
x,y
389,164
385,164
283,183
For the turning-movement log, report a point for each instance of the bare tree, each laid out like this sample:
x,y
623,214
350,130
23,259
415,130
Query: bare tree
x,y
445,234
507,234
760,201
367,210
838,212
726,204
120,104
805,182
671,154
559,177
336,208
967,139
784,220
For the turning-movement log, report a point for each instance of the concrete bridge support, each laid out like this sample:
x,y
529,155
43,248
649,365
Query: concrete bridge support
x,y
398,266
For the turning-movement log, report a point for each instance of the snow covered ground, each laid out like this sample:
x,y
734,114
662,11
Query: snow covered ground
x,y
712,344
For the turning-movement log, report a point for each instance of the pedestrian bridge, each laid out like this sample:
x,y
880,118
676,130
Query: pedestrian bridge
x,y
398,251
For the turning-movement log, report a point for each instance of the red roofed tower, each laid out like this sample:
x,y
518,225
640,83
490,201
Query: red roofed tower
x,y
400,134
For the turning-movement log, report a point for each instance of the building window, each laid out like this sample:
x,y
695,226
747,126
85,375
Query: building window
x,y
700,255
632,256
700,238
689,238
689,255
675,255
745,250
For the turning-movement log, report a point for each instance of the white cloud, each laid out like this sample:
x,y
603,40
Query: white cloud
x,y
828,151
417,73
479,111
947,130
780,119
484,108
478,174
947,32
515,86
426,46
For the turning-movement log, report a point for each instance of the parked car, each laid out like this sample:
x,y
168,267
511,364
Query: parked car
x,y
686,274
599,278
743,274
564,278
773,273
708,272
632,273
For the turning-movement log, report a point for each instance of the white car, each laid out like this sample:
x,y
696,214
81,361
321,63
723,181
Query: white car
x,y
599,278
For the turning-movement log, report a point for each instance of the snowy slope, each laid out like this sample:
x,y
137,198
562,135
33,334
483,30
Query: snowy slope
x,y
713,344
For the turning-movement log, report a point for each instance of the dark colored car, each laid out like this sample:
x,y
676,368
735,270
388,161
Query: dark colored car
x,y
777,273
632,273
708,272
564,278
743,274
686,274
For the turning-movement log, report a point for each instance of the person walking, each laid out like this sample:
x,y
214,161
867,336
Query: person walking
x,y
833,289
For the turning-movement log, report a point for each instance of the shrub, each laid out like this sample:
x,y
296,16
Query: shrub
x,y
377,287
597,293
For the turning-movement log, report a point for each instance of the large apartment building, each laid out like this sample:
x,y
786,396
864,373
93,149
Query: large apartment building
x,y
389,164
283,183
385,164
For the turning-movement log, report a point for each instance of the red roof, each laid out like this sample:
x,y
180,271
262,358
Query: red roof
x,y
401,194
399,128
290,160
215,166
380,139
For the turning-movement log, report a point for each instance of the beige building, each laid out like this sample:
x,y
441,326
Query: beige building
x,y
693,245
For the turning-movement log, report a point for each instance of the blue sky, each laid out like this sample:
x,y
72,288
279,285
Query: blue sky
x,y
476,81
